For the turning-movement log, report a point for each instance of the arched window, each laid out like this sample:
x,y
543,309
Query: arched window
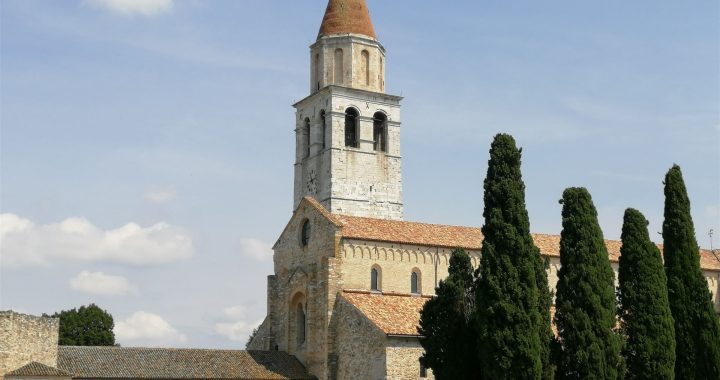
x,y
324,128
300,316
375,278
415,282
306,137
305,233
380,132
365,67
351,127
338,67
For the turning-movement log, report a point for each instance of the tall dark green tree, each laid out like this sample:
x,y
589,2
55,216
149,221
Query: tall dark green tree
x,y
446,324
697,334
510,325
86,326
585,300
646,321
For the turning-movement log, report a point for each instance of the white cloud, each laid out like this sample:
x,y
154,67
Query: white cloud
x,y
159,196
236,312
22,242
236,331
147,327
239,329
130,7
256,249
99,283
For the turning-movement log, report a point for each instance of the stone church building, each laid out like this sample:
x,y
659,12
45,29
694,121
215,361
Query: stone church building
x,y
350,275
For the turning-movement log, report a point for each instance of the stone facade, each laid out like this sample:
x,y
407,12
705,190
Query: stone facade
x,y
305,283
402,356
350,60
27,338
362,178
359,346
396,263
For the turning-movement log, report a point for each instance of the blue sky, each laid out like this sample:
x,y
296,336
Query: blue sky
x,y
147,145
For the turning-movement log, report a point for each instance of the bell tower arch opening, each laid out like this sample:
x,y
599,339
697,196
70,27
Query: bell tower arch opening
x,y
380,132
351,127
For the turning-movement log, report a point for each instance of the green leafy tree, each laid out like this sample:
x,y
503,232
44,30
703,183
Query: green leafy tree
x,y
585,302
510,325
697,335
446,324
86,326
646,321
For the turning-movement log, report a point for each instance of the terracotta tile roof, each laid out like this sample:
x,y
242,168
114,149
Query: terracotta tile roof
x,y
393,313
437,235
35,369
347,16
165,363
331,217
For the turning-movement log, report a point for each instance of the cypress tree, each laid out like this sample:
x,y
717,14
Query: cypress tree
x,y
697,334
449,338
585,301
645,317
508,316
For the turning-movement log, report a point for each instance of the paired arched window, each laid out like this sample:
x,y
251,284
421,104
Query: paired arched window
x,y
380,132
351,127
415,282
306,137
338,67
301,320
375,278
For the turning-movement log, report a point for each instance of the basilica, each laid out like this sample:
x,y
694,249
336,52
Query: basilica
x,y
350,274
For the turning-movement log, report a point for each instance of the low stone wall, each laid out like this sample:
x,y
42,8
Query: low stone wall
x,y
26,338
403,359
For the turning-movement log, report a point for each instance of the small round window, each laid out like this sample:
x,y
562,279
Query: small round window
x,y
305,233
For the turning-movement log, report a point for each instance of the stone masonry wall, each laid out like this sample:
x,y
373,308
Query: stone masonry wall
x,y
324,65
396,263
360,345
403,359
302,277
27,338
348,180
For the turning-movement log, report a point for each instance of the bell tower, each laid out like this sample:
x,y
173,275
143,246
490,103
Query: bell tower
x,y
348,129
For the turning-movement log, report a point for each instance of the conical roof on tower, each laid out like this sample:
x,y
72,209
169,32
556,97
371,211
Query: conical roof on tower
x,y
345,17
